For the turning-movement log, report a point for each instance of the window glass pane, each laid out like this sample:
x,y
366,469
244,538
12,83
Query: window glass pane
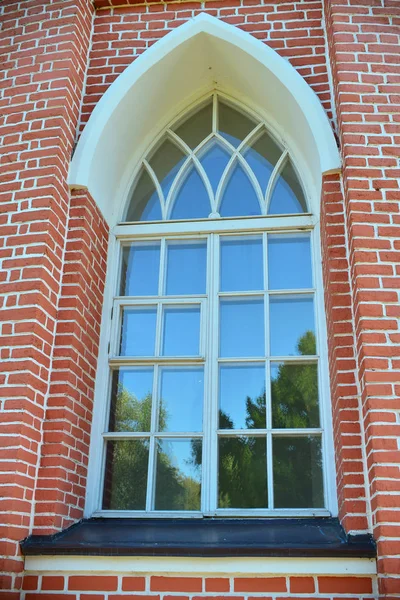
x,y
145,204
287,196
166,162
140,269
181,399
239,198
233,125
292,327
197,127
262,156
181,332
186,268
192,200
138,333
242,328
242,472
241,264
242,397
214,159
297,472
294,394
125,482
178,474
131,397
289,262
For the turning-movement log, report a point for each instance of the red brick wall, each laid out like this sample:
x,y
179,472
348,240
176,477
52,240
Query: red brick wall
x,y
120,587
44,47
353,497
61,479
364,42
53,248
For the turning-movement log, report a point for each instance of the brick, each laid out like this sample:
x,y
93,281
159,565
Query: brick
x,y
217,584
338,585
98,583
260,584
30,582
302,585
175,584
133,584
52,582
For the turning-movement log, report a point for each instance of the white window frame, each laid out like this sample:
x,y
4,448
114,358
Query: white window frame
x,y
260,225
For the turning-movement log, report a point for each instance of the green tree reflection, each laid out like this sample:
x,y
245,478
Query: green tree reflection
x,y
297,461
242,470
127,461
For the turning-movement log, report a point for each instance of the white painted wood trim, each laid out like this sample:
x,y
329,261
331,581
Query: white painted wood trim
x,y
104,154
240,566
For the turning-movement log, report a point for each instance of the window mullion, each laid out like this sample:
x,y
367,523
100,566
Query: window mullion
x,y
268,405
211,424
152,450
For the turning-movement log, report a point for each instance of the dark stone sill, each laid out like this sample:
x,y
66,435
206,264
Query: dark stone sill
x,y
302,537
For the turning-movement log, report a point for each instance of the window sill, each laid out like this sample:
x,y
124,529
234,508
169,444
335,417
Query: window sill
x,y
301,537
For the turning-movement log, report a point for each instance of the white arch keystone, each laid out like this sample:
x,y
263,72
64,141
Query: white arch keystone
x,y
203,54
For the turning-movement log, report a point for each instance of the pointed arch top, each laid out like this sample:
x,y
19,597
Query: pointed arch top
x,y
201,55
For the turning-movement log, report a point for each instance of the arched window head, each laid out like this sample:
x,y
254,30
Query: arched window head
x,y
216,161
213,393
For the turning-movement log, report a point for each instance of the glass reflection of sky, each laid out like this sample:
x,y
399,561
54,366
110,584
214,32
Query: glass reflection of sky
x,y
289,262
166,162
290,318
186,268
214,161
152,210
145,204
242,328
181,331
178,453
129,409
192,201
262,157
241,264
287,196
136,382
138,332
239,197
181,396
142,267
236,384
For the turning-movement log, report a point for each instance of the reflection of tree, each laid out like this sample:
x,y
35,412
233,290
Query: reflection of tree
x,y
127,460
294,391
242,470
297,460
176,491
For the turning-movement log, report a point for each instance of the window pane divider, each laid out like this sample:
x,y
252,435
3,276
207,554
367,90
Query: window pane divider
x,y
118,361
262,432
256,293
147,435
307,359
268,400
273,223
123,301
294,292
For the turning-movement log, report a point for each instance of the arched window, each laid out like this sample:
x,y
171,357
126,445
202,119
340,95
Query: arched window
x,y
215,402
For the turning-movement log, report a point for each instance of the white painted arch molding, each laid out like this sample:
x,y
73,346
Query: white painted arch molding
x,y
201,55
